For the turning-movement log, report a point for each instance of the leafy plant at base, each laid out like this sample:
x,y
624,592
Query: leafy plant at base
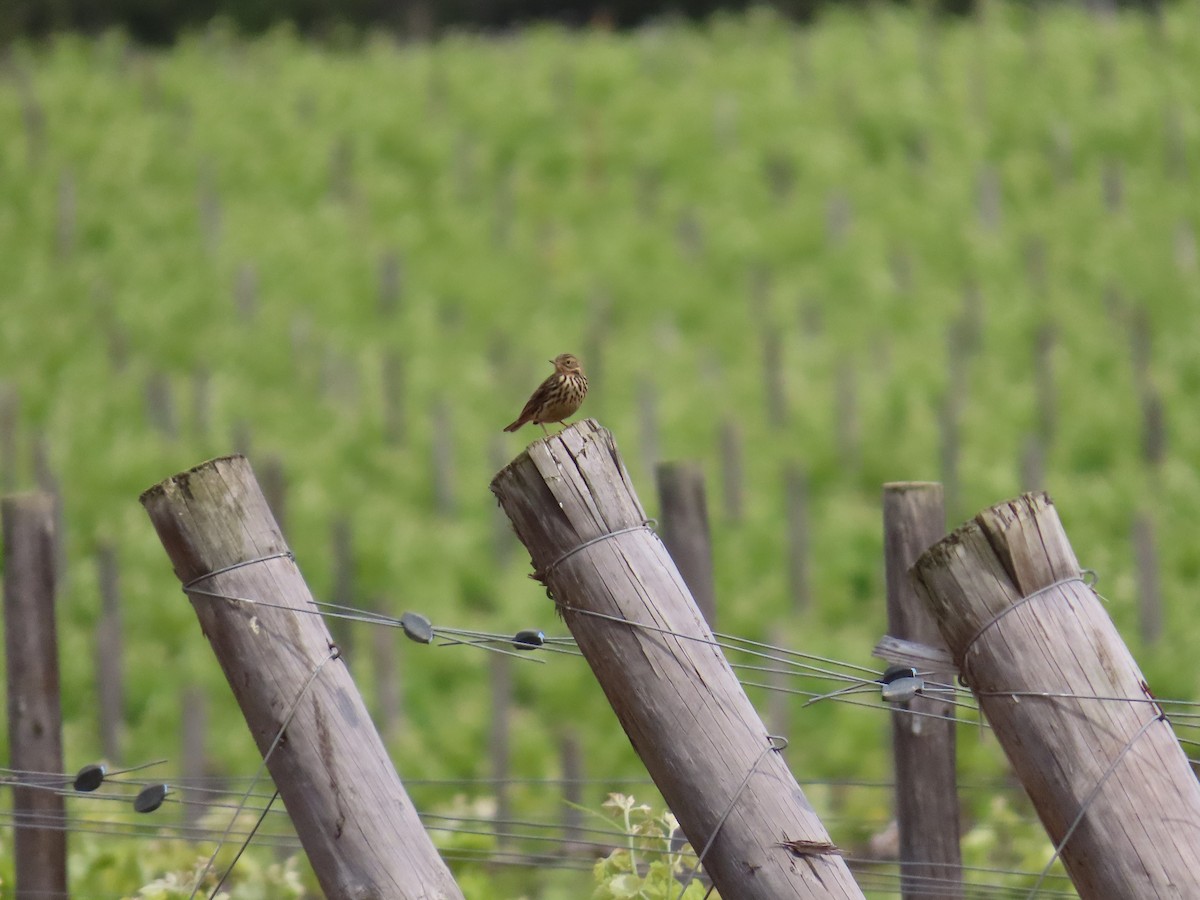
x,y
653,864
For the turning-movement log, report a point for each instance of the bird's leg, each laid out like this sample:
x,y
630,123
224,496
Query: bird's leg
x,y
544,428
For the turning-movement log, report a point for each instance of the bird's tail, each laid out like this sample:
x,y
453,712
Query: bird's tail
x,y
515,425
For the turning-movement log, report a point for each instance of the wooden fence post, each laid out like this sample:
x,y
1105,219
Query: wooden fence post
x,y
34,710
923,746
684,512
573,506
1067,702
350,810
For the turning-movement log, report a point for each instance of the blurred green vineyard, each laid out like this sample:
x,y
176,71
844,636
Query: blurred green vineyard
x,y
888,247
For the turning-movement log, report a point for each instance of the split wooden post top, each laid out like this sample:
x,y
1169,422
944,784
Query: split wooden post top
x,y
573,505
1067,702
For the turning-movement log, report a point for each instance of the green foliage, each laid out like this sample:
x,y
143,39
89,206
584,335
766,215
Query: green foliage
x,y
907,205
158,867
650,866
1004,840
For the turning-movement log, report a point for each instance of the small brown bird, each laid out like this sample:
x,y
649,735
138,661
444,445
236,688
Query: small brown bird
x,y
557,397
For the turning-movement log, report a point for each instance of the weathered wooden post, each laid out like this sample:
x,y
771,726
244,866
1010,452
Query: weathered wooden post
x,y
350,810
572,504
1067,702
683,509
34,709
923,745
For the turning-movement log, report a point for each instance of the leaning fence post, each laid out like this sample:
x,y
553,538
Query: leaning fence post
x,y
573,506
1067,702
34,710
923,743
350,810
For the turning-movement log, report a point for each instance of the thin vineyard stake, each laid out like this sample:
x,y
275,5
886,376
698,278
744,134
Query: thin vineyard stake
x,y
773,377
498,744
573,505
442,459
193,757
923,747
10,402
34,707
342,590
1065,700
48,483
731,470
572,788
387,681
849,438
648,422
391,283
1149,597
683,509
1033,463
65,226
201,403
160,405
350,810
779,701
795,493
274,488
110,683
1043,366
393,399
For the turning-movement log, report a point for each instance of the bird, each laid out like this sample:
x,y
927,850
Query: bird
x,y
556,398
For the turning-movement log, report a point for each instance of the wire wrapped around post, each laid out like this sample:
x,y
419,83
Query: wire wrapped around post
x,y
574,507
349,808
1066,701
